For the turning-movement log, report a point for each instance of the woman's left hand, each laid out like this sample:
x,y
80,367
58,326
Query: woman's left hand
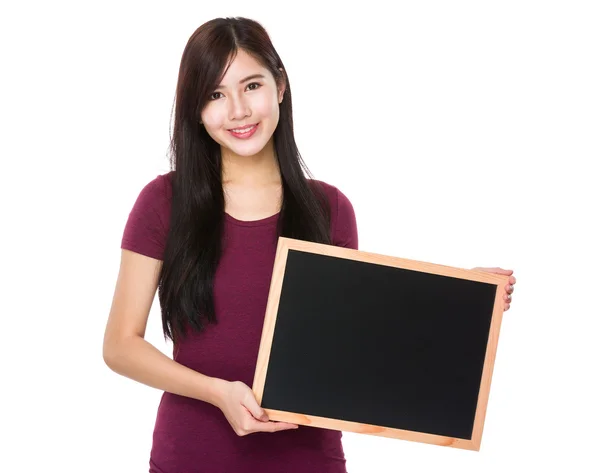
x,y
509,288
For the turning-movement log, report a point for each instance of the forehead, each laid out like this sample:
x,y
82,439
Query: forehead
x,y
243,65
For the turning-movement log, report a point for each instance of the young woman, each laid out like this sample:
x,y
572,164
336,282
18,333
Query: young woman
x,y
205,236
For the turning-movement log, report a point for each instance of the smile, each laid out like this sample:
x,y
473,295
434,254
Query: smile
x,y
246,132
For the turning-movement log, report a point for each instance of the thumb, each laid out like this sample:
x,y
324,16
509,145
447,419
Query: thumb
x,y
256,411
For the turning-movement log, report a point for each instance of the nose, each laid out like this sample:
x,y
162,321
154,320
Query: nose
x,y
238,108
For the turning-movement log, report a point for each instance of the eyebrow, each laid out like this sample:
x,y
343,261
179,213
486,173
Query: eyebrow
x,y
253,76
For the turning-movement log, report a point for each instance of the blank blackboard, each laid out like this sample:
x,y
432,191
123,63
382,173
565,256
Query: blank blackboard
x,y
376,344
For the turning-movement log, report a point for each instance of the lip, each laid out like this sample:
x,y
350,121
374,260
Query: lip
x,y
246,135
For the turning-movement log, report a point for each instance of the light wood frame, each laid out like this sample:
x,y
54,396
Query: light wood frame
x,y
286,244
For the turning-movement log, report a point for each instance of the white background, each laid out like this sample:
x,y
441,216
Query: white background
x,y
464,133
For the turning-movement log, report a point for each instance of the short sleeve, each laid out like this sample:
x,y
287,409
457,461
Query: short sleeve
x,y
145,230
345,230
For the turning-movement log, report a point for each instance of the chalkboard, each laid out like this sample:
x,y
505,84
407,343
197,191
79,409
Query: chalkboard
x,y
368,343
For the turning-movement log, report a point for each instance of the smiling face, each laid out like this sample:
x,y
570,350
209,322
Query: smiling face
x,y
242,114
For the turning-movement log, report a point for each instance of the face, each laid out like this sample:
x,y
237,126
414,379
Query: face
x,y
247,102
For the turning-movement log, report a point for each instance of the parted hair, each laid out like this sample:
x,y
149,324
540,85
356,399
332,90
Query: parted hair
x,y
194,240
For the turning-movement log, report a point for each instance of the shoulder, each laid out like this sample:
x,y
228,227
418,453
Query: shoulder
x,y
336,197
148,221
333,193
343,219
166,180
156,189
163,185
157,195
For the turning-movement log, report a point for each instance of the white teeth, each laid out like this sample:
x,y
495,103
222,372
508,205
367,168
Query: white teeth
x,y
243,130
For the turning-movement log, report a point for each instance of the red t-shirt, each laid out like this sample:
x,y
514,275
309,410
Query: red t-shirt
x,y
194,436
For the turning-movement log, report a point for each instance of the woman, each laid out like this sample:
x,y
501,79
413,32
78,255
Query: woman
x,y
205,235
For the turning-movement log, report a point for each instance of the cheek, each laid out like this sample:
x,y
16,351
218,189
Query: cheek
x,y
267,107
213,124
213,118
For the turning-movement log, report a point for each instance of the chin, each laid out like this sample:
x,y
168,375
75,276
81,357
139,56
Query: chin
x,y
249,151
248,148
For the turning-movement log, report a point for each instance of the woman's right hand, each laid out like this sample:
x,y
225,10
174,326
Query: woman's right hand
x,y
239,405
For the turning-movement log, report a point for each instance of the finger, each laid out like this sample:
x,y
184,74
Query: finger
x,y
506,307
249,424
497,270
255,410
271,426
250,403
277,426
512,280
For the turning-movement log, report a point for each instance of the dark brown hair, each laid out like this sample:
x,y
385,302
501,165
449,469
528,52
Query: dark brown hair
x,y
193,246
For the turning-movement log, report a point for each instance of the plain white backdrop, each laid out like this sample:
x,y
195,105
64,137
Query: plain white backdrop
x,y
464,134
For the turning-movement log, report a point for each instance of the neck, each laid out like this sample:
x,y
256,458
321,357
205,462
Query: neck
x,y
257,170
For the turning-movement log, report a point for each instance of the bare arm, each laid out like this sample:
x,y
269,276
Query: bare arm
x,y
126,352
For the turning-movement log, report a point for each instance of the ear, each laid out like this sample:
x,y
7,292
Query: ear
x,y
281,88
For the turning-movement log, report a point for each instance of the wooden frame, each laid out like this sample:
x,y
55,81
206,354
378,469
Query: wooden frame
x,y
283,247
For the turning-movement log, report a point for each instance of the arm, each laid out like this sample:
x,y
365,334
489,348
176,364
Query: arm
x,y
126,352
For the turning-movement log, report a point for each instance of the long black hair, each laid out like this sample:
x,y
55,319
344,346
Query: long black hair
x,y
193,246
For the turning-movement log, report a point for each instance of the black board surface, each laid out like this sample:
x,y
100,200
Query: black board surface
x,y
380,345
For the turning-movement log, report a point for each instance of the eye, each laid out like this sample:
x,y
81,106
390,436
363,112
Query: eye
x,y
212,96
